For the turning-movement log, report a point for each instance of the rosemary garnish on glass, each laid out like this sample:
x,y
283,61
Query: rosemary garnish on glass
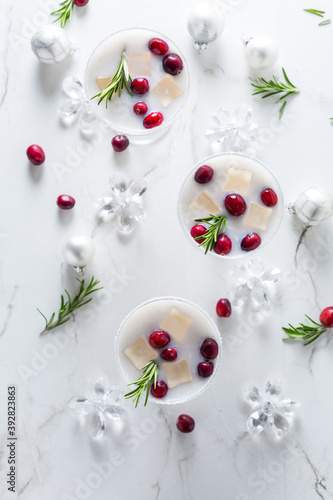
x,y
216,224
150,371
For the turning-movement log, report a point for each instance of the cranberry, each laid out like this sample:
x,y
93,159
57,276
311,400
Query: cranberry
x,y
326,317
65,202
250,242
35,154
205,369
169,354
120,143
172,64
235,204
204,174
140,85
198,230
223,245
159,338
209,349
269,197
140,108
223,308
153,120
185,423
158,46
80,3
160,390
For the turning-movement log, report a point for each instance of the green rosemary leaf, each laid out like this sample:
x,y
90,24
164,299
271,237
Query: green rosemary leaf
x,y
303,332
143,384
324,23
217,225
319,13
64,13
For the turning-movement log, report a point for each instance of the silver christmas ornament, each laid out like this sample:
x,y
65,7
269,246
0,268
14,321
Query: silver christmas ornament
x,y
205,25
51,44
261,52
78,251
313,206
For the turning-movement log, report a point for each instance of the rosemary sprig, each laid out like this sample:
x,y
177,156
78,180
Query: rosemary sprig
x,y
216,225
324,23
305,333
273,87
71,305
150,371
64,13
120,79
319,13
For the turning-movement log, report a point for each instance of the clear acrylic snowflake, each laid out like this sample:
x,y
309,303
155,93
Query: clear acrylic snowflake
x,y
102,405
233,130
269,409
77,106
255,284
124,202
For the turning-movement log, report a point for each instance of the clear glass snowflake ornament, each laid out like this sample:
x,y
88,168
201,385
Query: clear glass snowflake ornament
x,y
255,284
233,130
125,203
76,105
102,405
269,408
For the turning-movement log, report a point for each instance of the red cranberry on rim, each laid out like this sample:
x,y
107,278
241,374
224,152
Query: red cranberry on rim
x,y
204,174
223,245
185,423
269,197
209,349
160,390
326,317
198,230
235,204
120,143
140,108
205,369
169,354
80,3
153,120
223,308
140,86
250,242
65,202
158,47
159,339
35,154
172,64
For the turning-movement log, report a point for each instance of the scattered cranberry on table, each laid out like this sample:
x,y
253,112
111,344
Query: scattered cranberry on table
x,y
204,174
140,86
172,64
223,308
235,204
65,202
250,242
326,317
158,47
140,108
159,339
80,3
198,230
153,120
169,354
269,197
209,349
205,369
223,245
185,423
35,154
120,143
160,391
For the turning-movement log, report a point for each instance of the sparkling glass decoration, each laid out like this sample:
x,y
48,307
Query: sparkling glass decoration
x,y
76,105
205,25
124,202
255,284
51,44
102,405
233,131
313,206
269,408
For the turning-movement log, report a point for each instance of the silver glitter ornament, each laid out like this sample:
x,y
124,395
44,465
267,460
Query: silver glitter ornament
x,y
313,206
205,25
51,44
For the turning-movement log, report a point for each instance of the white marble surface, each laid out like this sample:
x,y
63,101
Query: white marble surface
x,y
152,460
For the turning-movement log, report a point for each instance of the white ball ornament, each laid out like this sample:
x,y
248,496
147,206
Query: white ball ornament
x,y
261,52
78,251
205,24
313,206
51,44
